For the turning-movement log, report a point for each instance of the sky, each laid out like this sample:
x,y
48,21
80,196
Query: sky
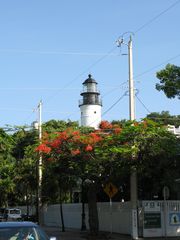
x,y
48,48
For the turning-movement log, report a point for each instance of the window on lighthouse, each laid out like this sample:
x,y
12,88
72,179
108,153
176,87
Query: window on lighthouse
x,y
90,87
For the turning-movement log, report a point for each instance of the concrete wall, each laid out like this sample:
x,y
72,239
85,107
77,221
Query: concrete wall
x,y
116,218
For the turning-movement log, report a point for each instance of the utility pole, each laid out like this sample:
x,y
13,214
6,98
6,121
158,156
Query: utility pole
x,y
39,189
131,82
133,177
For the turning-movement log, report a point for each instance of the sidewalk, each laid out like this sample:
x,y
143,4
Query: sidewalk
x,y
74,234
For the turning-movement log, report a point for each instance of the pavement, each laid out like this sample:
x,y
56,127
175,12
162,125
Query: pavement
x,y
74,234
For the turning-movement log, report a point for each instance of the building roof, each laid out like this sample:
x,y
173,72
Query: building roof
x,y
89,80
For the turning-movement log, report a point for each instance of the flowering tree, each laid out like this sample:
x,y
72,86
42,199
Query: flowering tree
x,y
74,153
97,155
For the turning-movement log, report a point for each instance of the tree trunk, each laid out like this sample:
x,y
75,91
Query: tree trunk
x,y
61,211
93,213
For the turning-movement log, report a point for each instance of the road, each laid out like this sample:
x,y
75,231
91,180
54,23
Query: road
x,y
74,234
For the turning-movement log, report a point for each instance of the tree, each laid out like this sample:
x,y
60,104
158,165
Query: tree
x,y
164,118
169,81
7,165
72,154
102,155
25,166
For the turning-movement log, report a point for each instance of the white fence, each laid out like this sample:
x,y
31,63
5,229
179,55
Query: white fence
x,y
160,218
155,218
115,218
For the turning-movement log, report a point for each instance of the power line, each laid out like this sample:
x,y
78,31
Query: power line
x,y
114,104
83,72
56,52
157,16
102,55
156,66
142,104
118,87
32,89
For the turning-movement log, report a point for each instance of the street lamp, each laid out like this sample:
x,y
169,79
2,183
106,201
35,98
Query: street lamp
x,y
133,177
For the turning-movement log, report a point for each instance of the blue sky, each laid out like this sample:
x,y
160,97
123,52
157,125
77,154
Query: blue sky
x,y
48,48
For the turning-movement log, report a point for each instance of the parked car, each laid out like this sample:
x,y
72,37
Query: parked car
x,y
22,231
12,214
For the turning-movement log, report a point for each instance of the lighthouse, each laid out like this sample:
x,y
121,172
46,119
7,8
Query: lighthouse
x,y
90,104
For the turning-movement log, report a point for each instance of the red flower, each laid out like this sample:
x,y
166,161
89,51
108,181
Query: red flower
x,y
117,130
59,151
75,152
105,125
75,133
89,148
95,137
43,148
55,143
63,135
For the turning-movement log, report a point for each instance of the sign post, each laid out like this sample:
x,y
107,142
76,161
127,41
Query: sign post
x,y
110,190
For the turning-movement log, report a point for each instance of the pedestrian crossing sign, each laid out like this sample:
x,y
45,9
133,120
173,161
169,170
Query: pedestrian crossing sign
x,y
110,189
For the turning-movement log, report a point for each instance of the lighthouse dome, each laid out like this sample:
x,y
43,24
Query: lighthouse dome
x,y
89,80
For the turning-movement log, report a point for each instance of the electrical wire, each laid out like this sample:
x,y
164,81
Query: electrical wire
x,y
114,89
114,104
157,16
108,54
142,103
82,73
55,52
156,66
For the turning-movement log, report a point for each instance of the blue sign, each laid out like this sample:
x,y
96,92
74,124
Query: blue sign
x,y
174,218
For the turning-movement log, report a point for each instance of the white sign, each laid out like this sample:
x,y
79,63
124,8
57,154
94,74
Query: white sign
x,y
151,206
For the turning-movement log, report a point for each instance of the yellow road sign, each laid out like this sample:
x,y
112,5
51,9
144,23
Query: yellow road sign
x,y
110,189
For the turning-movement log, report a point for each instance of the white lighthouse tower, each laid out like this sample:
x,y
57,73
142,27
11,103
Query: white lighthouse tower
x,y
90,104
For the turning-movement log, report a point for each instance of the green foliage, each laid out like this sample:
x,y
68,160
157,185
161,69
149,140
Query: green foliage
x,y
83,153
169,81
164,118
7,165
58,126
23,139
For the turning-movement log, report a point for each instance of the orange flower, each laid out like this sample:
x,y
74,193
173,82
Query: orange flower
x,y
75,152
75,133
117,130
89,148
95,137
63,135
105,125
43,148
55,143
